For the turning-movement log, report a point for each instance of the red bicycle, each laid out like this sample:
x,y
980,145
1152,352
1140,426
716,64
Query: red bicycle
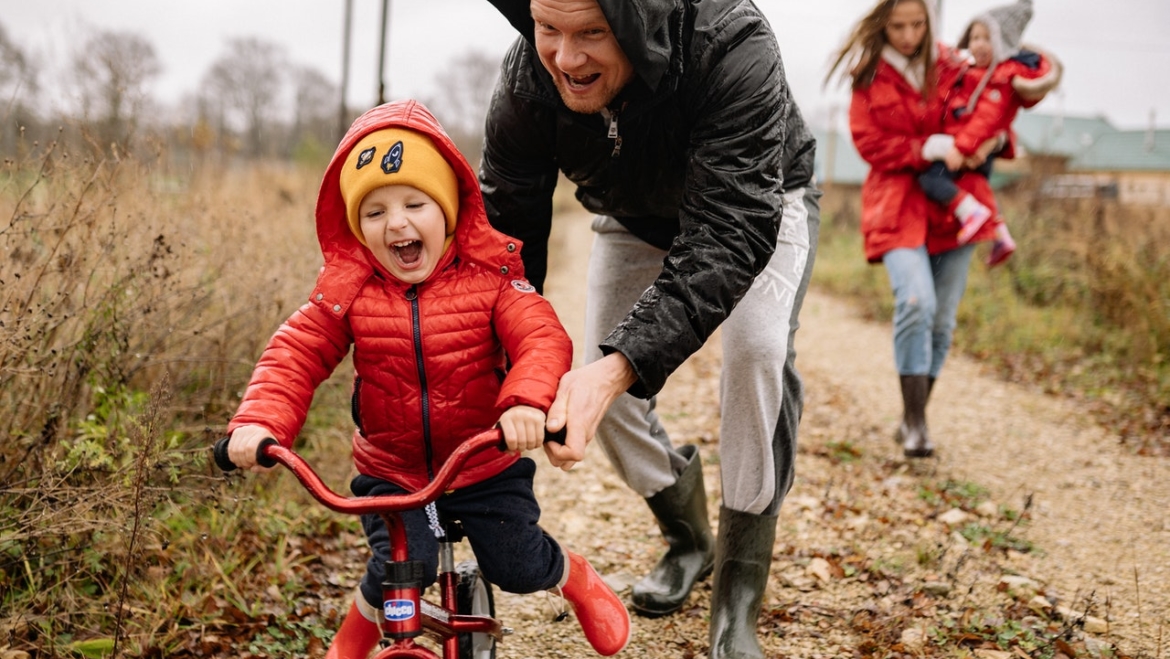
x,y
464,621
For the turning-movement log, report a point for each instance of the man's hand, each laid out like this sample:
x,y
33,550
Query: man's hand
x,y
583,397
523,427
242,447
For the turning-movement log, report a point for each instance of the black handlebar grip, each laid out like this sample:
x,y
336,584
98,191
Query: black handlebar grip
x,y
221,455
558,436
225,463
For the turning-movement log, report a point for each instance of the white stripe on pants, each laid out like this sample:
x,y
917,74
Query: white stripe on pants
x,y
755,346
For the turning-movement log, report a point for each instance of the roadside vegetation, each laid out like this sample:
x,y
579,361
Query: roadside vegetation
x,y
136,297
1082,309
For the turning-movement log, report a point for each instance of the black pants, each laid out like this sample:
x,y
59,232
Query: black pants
x,y
938,182
499,517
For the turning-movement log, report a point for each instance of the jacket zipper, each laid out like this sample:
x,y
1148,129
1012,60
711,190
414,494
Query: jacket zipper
x,y
424,397
613,133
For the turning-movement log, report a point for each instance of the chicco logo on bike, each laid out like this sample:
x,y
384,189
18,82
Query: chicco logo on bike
x,y
398,610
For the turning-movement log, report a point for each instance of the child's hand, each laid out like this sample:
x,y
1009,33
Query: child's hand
x,y
954,159
989,146
523,427
243,444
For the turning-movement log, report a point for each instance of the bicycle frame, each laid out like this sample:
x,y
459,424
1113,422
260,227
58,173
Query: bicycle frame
x,y
406,615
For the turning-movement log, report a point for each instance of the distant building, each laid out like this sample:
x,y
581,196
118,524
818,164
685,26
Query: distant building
x,y
1058,156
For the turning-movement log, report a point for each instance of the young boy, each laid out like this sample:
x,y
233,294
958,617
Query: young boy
x,y
1002,78
435,304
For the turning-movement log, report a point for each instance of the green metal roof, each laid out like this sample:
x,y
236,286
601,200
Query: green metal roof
x,y
1049,134
1127,150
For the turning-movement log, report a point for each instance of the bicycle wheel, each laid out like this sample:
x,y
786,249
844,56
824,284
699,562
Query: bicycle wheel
x,y
473,596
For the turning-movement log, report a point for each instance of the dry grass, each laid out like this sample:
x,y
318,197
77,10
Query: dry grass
x,y
1082,309
133,303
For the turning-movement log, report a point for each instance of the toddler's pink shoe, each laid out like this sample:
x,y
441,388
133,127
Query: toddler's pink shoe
x,y
1002,248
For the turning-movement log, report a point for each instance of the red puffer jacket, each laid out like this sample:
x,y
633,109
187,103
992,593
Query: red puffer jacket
x,y
890,121
998,102
430,358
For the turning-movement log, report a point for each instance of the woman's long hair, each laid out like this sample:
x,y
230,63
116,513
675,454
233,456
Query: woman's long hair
x,y
863,49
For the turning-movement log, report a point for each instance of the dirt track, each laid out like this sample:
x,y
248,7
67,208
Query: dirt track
x,y
1100,518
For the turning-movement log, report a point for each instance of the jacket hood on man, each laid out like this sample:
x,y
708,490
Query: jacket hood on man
x,y
693,157
350,263
643,29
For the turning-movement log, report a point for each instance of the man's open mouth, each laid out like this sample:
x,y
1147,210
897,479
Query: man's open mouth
x,y
578,82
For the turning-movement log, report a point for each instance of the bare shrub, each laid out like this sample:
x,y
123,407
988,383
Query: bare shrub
x,y
133,303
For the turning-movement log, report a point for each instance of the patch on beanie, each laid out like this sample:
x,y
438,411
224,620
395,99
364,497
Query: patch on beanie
x,y
392,161
366,157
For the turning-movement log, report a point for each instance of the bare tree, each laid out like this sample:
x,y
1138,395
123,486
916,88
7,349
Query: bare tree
x,y
17,78
247,80
465,90
18,88
314,108
112,70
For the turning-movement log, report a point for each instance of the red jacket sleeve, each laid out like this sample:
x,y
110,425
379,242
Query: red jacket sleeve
x,y
298,358
537,345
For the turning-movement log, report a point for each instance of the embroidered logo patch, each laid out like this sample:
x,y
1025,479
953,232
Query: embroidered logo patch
x,y
392,161
523,286
994,95
366,157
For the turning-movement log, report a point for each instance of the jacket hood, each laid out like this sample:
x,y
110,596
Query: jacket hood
x,y
1006,26
643,29
350,263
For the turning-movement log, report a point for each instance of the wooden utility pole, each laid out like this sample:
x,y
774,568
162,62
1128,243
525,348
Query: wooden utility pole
x,y
343,114
382,53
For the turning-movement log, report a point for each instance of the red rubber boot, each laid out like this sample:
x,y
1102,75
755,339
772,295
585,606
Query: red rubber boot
x,y
356,638
602,615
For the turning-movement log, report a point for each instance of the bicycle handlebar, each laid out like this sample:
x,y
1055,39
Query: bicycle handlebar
x,y
271,453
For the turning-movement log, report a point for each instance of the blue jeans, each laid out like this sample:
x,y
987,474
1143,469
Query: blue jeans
x,y
927,291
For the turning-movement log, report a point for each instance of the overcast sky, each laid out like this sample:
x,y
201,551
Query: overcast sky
x,y
1116,55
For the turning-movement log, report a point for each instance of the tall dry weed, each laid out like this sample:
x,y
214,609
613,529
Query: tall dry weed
x,y
119,275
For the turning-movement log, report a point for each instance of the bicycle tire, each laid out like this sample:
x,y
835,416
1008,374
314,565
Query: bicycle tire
x,y
473,596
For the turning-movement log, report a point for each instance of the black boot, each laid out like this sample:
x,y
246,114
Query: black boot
x,y
681,512
743,556
913,435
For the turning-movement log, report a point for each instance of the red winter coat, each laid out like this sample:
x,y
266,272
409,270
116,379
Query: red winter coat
x,y
890,121
429,359
996,107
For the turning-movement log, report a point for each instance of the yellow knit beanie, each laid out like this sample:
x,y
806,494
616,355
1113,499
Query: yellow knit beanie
x,y
397,156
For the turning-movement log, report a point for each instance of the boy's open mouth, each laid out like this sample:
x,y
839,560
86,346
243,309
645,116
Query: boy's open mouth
x,y
408,251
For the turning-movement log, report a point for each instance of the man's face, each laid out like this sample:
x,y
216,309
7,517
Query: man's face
x,y
579,50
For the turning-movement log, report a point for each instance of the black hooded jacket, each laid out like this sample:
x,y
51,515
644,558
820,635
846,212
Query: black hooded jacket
x,y
708,138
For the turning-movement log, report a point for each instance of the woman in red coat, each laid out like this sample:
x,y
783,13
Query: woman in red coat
x,y
900,78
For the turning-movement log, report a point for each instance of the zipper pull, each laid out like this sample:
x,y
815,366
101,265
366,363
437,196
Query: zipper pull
x,y
613,131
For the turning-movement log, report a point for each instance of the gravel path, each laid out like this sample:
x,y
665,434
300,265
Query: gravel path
x,y
1100,518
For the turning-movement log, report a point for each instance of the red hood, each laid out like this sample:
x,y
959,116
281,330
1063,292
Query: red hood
x,y
348,263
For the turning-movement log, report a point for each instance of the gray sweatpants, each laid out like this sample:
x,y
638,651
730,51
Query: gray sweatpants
x,y
760,390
